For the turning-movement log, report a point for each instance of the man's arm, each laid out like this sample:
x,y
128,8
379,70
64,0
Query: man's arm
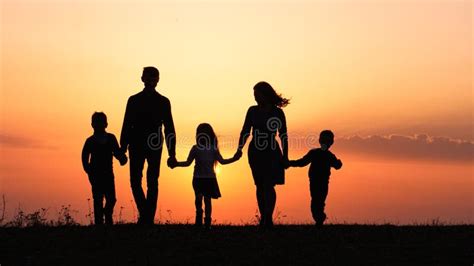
x,y
118,153
170,133
126,127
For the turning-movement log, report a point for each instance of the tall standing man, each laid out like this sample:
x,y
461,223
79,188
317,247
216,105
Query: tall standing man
x,y
146,113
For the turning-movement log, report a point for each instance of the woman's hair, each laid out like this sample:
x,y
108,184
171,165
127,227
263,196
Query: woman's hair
x,y
270,94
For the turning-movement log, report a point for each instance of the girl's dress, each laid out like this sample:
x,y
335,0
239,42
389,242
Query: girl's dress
x,y
204,177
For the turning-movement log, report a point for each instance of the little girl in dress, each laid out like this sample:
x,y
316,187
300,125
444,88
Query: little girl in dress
x,y
206,154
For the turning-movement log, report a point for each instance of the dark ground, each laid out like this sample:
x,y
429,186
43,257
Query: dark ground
x,y
238,245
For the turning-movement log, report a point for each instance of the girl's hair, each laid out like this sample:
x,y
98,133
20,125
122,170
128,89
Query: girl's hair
x,y
271,95
206,138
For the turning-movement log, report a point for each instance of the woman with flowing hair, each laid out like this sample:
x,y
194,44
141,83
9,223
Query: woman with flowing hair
x,y
266,159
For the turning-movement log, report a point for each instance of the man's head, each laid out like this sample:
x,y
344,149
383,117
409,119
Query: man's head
x,y
326,139
150,76
99,121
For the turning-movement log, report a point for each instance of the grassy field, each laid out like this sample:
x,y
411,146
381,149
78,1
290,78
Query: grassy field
x,y
238,245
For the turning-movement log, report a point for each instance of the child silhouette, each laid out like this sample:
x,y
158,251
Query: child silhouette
x,y
321,160
97,162
206,154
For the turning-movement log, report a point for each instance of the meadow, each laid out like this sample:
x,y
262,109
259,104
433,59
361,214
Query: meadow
x,y
30,239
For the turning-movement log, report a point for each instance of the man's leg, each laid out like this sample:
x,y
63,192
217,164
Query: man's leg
x,y
137,161
152,174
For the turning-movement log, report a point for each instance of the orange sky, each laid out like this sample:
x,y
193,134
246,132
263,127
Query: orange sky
x,y
356,67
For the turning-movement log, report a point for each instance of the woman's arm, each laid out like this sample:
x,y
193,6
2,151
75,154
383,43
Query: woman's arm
x,y
245,133
282,133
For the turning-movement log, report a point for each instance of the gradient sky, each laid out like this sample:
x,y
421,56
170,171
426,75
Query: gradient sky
x,y
393,72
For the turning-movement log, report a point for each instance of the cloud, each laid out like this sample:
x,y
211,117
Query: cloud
x,y
16,141
409,147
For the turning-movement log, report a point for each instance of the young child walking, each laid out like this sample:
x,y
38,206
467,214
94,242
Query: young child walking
x,y
321,160
97,162
206,154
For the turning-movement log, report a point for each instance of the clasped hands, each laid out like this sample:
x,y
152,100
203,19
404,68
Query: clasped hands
x,y
172,162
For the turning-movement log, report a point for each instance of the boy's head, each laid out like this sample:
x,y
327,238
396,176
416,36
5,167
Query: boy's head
x,y
150,76
99,121
326,139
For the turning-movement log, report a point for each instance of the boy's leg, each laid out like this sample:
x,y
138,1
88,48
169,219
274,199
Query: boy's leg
x,y
152,174
198,203
98,196
137,161
110,201
208,211
319,192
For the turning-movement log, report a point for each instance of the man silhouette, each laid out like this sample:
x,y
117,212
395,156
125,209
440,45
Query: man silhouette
x,y
146,113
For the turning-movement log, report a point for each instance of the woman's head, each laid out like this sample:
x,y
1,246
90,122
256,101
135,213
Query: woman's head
x,y
266,95
206,137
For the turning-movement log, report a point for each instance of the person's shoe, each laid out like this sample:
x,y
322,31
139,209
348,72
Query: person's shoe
x,y
109,220
198,222
207,223
269,224
99,222
320,220
261,222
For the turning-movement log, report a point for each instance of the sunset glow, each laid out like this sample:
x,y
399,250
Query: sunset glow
x,y
393,72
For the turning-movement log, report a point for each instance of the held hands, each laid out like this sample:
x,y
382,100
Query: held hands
x,y
286,163
237,155
172,162
122,155
123,159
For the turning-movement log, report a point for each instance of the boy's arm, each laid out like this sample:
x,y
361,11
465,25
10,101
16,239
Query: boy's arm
x,y
117,152
85,157
188,162
301,162
223,161
335,162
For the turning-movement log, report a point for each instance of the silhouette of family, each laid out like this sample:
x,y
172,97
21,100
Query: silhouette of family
x,y
147,112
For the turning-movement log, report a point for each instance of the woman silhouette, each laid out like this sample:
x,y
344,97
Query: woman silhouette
x,y
265,157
